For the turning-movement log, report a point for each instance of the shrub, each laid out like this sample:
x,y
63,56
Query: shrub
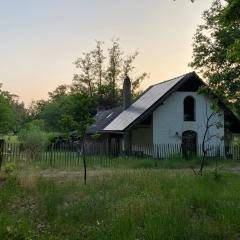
x,y
33,139
10,170
52,136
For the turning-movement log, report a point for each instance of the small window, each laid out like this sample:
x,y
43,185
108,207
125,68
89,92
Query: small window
x,y
189,109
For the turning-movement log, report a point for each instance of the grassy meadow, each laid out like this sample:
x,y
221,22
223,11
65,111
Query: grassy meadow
x,y
119,203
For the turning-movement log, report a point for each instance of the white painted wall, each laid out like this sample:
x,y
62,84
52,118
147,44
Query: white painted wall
x,y
168,119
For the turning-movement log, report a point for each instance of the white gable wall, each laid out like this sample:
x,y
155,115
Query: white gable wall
x,y
168,120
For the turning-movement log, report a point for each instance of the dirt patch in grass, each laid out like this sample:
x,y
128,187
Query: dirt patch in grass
x,y
72,174
69,175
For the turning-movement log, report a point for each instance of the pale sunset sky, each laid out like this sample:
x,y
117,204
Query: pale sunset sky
x,y
40,39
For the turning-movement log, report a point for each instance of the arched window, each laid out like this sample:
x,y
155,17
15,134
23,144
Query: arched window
x,y
189,109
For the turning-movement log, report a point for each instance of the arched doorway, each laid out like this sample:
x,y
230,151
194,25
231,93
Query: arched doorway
x,y
189,143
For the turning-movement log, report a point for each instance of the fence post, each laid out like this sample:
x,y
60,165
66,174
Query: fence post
x,y
84,160
51,155
1,151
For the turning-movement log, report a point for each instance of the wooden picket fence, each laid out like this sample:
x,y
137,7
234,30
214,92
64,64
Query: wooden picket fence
x,y
103,153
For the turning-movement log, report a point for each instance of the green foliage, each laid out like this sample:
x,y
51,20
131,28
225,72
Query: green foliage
x,y
9,228
38,124
102,76
231,12
35,110
13,113
10,170
20,114
53,112
70,112
7,115
231,16
52,136
65,110
11,139
33,138
214,49
139,204
81,110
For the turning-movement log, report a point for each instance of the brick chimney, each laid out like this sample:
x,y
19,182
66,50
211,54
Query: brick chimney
x,y
126,104
126,92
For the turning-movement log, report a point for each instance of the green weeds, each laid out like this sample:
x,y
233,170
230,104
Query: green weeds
x,y
126,204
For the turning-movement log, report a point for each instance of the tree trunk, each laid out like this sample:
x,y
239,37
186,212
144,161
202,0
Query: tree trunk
x,y
84,161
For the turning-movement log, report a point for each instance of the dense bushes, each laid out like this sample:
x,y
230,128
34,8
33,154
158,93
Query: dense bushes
x,y
33,138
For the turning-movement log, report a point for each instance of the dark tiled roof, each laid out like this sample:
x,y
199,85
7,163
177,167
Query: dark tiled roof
x,y
103,118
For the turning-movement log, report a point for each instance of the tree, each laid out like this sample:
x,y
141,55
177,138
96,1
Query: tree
x,y
79,112
98,61
231,15
212,121
71,112
61,90
52,113
101,76
213,53
84,82
13,113
35,109
231,12
65,112
7,120
7,111
113,71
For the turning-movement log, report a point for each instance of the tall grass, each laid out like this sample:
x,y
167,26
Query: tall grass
x,y
175,162
122,204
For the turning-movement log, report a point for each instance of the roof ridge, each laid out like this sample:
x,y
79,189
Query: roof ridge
x,y
149,87
183,75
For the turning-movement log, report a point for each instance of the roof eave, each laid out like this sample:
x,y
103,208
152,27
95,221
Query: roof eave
x,y
112,131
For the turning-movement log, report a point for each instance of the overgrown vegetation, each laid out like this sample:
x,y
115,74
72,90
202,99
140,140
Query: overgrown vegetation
x,y
33,138
133,204
102,162
216,51
13,113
